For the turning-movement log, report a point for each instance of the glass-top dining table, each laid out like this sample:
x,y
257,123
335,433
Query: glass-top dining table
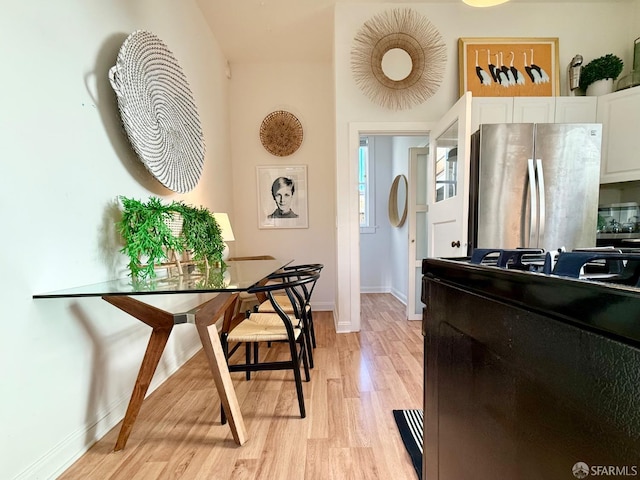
x,y
227,282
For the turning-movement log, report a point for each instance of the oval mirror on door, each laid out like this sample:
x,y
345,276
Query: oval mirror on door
x,y
398,201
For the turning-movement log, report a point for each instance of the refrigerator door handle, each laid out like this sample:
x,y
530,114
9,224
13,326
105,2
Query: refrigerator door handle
x,y
542,220
533,214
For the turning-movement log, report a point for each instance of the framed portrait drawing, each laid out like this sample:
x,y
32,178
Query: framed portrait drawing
x,y
282,196
509,67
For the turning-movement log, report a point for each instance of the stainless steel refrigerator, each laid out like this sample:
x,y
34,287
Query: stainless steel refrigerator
x,y
534,185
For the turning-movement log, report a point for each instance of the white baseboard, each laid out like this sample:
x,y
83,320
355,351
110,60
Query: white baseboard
x,y
375,290
323,306
341,327
402,297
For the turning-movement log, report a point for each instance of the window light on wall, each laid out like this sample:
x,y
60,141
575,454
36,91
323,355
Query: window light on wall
x,y
364,187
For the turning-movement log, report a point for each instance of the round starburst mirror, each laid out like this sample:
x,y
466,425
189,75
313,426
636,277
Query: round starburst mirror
x,y
398,59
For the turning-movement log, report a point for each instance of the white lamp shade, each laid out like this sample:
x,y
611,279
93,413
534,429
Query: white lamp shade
x,y
484,3
225,226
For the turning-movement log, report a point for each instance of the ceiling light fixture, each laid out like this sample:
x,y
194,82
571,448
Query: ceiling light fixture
x,y
484,3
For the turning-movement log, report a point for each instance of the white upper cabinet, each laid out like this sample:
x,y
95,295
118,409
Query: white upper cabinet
x,y
619,113
576,110
491,110
532,110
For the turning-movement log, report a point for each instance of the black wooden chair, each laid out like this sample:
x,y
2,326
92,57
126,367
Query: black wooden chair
x,y
306,291
276,326
246,301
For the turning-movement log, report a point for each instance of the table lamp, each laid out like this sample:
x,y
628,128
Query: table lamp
x,y
225,229
484,3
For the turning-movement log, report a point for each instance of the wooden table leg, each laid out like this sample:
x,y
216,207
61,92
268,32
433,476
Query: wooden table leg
x,y
206,315
162,324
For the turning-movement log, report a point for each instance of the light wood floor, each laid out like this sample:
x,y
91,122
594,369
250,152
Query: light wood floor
x,y
349,431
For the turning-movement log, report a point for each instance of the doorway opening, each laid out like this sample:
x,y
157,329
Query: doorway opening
x,y
348,235
384,248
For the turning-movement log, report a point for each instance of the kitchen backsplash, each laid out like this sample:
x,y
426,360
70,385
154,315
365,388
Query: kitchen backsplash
x,y
618,210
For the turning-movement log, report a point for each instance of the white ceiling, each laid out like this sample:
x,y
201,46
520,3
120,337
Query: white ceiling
x,y
286,30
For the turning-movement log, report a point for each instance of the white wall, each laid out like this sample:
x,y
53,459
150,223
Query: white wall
x,y
305,90
68,366
400,235
591,29
376,258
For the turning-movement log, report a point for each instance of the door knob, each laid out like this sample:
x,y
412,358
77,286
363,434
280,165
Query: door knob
x,y
456,244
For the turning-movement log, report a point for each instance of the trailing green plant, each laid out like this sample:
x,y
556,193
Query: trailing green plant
x,y
202,234
147,235
601,68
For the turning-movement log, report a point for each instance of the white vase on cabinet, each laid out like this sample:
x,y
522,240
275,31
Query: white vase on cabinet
x,y
600,87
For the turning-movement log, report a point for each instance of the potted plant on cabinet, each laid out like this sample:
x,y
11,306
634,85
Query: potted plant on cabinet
x,y
153,233
597,76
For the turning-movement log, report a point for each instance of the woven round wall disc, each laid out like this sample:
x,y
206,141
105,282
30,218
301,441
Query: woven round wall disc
x,y
281,133
158,111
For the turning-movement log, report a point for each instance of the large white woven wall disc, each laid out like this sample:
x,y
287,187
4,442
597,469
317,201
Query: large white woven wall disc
x,y
158,111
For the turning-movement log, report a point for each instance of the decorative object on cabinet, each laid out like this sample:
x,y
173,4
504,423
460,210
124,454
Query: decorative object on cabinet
x,y
574,69
509,67
597,76
282,196
398,201
281,133
158,235
158,111
633,78
398,59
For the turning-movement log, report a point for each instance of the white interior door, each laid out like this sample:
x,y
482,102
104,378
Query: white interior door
x,y
448,182
417,215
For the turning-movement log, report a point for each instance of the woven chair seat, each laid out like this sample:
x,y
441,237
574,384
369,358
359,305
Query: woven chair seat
x,y
283,301
267,330
271,319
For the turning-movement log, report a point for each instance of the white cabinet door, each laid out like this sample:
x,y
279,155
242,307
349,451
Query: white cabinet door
x,y
491,110
576,109
448,177
534,109
619,113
